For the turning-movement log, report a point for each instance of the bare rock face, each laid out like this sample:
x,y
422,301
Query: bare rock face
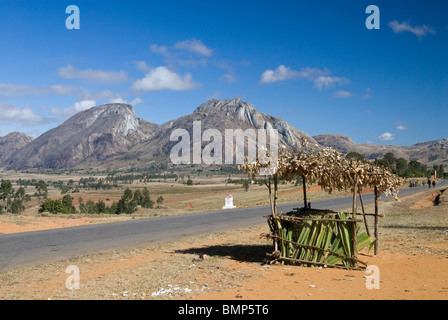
x,y
11,143
96,134
213,114
244,114
340,142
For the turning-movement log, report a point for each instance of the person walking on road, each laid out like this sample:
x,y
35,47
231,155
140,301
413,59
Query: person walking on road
x,y
429,183
433,183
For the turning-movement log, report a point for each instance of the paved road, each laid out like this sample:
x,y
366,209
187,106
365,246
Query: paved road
x,y
30,248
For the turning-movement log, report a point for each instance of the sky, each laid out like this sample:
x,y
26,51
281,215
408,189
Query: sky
x,y
316,64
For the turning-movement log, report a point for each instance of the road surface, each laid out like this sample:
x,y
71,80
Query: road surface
x,y
37,247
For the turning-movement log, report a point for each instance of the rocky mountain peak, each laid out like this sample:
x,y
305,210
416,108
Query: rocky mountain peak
x,y
225,105
122,115
11,143
235,109
93,134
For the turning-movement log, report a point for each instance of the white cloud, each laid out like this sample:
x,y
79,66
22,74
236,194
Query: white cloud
x,y
401,127
342,94
280,74
161,78
321,78
13,114
325,82
16,91
312,73
386,136
134,102
19,90
118,100
418,31
100,76
195,46
77,107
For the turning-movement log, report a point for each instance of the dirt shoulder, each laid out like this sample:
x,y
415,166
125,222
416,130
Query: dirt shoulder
x,y
412,264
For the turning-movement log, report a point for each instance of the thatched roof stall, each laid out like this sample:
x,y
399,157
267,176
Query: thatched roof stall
x,y
331,171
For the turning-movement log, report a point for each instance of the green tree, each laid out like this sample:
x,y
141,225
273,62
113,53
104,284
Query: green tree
x,y
17,206
355,156
113,208
101,206
126,203
42,191
6,190
91,207
402,167
390,157
20,194
52,206
416,169
440,170
127,196
67,202
138,198
383,162
147,202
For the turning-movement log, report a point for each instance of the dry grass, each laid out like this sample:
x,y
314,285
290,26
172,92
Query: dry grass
x,y
233,258
415,229
141,273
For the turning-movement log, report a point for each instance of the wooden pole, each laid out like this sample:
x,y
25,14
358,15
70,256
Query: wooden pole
x,y
275,193
305,203
354,222
363,212
274,222
376,221
268,184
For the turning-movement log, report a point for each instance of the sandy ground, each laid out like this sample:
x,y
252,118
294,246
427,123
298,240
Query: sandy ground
x,y
15,224
401,277
412,264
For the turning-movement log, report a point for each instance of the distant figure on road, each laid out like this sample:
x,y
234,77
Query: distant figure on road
x,y
429,184
433,183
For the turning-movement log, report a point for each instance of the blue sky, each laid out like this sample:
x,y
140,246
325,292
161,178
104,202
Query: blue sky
x,y
312,63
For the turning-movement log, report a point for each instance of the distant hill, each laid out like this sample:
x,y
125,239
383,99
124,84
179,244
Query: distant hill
x,y
94,134
214,114
11,143
431,152
112,136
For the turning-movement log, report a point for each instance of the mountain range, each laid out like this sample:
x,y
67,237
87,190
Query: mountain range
x,y
430,152
112,136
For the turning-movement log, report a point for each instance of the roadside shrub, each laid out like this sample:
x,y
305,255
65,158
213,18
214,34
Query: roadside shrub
x,y
58,206
52,206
